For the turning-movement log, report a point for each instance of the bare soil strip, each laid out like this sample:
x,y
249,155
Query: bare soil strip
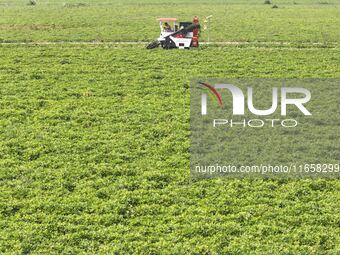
x,y
303,44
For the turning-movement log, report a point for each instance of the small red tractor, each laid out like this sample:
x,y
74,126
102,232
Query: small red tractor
x,y
172,36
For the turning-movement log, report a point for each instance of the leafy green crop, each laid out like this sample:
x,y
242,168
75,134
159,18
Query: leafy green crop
x,y
94,147
305,21
94,138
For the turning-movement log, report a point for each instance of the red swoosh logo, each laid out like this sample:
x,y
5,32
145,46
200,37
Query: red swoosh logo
x,y
213,90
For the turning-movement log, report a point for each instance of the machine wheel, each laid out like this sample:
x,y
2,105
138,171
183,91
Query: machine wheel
x,y
153,45
168,44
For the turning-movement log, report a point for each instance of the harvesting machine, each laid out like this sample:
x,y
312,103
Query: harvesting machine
x,y
182,36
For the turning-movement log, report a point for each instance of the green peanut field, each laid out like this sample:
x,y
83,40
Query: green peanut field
x,y
94,129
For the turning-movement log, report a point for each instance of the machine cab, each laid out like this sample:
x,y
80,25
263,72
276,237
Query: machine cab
x,y
167,26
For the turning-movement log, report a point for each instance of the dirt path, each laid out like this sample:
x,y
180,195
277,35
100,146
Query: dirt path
x,y
306,44
262,45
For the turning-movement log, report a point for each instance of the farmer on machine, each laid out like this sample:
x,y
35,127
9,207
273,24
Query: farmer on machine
x,y
167,27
